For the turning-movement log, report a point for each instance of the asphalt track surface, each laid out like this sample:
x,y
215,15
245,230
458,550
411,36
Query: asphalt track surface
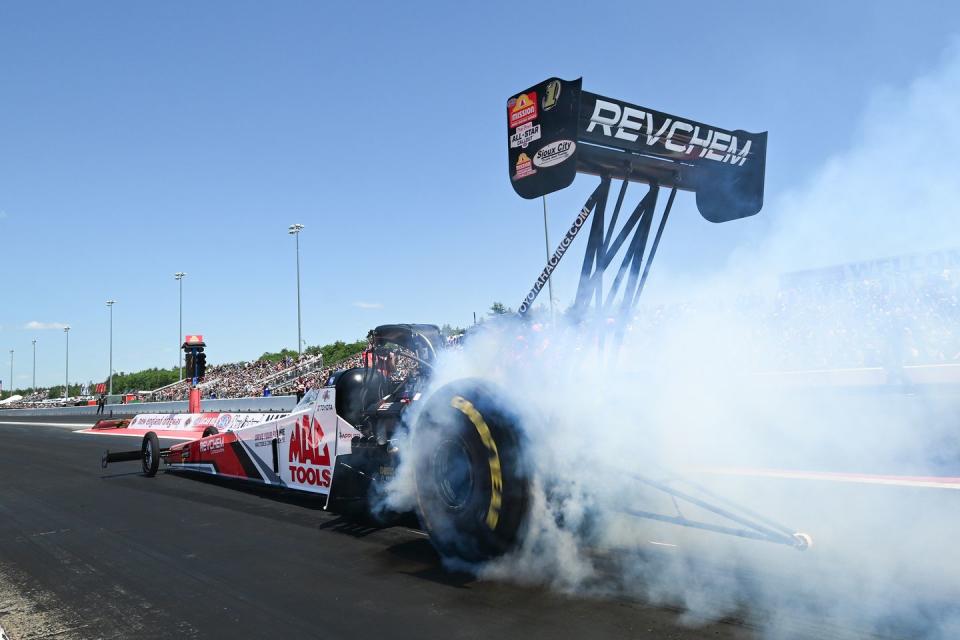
x,y
91,553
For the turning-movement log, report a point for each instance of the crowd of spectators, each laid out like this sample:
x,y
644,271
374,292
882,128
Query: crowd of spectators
x,y
819,321
240,379
888,320
41,398
231,380
316,378
38,397
870,322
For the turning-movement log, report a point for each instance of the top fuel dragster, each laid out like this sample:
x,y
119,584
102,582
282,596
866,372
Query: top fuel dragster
x,y
473,487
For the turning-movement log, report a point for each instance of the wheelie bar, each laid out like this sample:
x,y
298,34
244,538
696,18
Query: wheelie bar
x,y
125,456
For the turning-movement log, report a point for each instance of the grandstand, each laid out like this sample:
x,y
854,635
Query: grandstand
x,y
889,314
232,380
886,315
242,379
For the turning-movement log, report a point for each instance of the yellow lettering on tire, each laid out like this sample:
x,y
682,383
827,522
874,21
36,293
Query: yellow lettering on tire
x,y
496,476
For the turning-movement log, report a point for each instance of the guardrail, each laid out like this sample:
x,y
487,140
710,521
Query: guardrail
x,y
271,404
947,374
308,365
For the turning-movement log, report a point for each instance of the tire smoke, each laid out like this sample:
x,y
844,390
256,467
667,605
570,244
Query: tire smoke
x,y
700,392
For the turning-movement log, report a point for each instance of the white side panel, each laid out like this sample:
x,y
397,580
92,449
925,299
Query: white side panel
x,y
345,434
258,439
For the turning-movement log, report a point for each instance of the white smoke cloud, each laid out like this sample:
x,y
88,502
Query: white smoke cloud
x,y
37,325
683,396
894,191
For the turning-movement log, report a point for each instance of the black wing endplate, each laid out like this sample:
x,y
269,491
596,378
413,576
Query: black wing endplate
x,y
555,130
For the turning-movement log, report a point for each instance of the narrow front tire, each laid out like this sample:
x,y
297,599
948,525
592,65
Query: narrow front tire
x,y
150,454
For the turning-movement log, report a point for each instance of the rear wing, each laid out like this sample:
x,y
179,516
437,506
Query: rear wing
x,y
556,130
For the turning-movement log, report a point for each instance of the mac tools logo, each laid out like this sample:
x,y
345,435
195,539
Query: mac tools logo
x,y
309,455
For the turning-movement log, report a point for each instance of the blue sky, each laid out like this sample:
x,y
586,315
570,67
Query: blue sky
x,y
139,139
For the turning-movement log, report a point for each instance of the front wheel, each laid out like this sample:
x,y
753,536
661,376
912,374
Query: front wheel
x,y
150,454
472,482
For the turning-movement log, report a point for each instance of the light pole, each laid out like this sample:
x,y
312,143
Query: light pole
x,y
110,304
179,276
66,386
34,387
546,243
295,230
11,371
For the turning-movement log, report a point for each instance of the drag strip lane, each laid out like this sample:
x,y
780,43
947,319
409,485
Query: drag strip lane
x,y
117,555
23,423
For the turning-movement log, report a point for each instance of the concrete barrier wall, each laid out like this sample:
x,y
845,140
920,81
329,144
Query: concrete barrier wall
x,y
278,404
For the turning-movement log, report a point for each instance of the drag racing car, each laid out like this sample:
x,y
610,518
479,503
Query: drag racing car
x,y
340,442
472,482
343,442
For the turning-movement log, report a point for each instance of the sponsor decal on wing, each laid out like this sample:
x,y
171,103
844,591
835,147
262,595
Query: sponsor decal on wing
x,y
554,153
647,130
522,109
524,135
524,167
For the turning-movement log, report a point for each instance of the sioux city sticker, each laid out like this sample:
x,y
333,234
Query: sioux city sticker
x,y
524,135
524,167
522,109
554,153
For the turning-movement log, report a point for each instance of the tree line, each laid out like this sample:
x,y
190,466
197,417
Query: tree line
x,y
154,378
332,352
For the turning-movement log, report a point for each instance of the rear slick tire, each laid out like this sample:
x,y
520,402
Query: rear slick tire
x,y
150,454
472,481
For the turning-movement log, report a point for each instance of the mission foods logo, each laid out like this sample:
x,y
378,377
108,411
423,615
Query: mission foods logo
x,y
554,153
522,109
524,167
309,455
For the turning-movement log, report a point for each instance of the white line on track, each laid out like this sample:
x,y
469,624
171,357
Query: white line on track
x,y
46,424
931,482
